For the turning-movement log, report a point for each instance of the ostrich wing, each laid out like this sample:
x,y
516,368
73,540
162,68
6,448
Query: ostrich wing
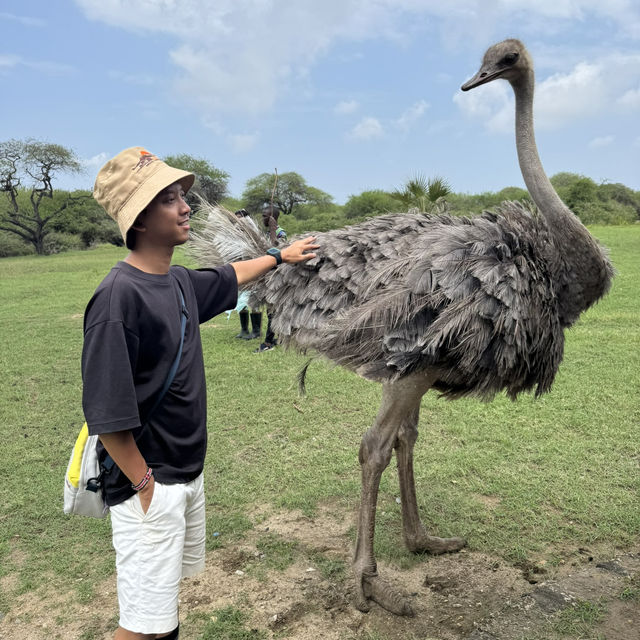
x,y
472,298
307,299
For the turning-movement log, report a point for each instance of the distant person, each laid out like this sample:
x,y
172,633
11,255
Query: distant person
x,y
277,235
270,215
255,316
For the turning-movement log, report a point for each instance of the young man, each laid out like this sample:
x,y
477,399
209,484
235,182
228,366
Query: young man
x,y
132,330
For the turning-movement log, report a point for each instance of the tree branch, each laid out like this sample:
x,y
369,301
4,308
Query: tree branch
x,y
69,200
18,223
24,236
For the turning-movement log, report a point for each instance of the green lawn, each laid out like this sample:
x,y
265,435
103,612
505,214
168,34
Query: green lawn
x,y
517,479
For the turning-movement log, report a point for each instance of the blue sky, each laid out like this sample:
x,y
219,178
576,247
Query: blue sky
x,y
351,94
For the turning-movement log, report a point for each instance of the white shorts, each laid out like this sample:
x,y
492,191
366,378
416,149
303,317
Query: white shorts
x,y
155,550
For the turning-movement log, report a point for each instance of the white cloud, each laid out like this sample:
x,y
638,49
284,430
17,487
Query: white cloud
x,y
346,107
238,142
602,141
589,89
491,103
630,99
367,129
624,13
411,115
95,161
227,61
351,57
131,78
564,97
357,18
241,143
9,61
213,125
49,68
370,128
145,15
236,56
26,21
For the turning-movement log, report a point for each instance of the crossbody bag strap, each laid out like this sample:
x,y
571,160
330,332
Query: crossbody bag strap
x,y
174,367
108,463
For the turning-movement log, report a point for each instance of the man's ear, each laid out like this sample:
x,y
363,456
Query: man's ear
x,y
139,224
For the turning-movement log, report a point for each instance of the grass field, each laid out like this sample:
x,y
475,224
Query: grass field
x,y
519,480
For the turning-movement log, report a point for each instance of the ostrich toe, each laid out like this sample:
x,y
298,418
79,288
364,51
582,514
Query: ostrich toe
x,y
383,594
434,545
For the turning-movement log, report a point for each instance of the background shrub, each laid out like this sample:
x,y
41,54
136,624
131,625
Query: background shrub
x,y
12,245
371,203
57,242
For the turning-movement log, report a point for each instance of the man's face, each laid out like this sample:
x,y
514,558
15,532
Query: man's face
x,y
166,220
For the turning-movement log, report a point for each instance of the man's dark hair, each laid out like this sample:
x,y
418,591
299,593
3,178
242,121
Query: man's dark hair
x,y
131,239
130,242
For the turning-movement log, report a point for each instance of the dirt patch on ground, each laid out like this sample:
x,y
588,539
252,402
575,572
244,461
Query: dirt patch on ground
x,y
469,595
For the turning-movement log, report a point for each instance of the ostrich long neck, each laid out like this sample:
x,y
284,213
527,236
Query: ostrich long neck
x,y
539,186
581,270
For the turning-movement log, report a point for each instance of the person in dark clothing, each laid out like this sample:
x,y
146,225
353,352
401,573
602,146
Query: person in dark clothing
x,y
277,235
244,313
131,337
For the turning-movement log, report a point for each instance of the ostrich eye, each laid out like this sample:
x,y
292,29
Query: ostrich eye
x,y
510,58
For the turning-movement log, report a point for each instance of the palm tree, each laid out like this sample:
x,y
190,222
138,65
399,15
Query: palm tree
x,y
424,195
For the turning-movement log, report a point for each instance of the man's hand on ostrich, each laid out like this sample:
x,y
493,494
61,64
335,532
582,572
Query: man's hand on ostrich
x,y
296,251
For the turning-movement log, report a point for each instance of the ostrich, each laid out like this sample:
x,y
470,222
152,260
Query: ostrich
x,y
465,306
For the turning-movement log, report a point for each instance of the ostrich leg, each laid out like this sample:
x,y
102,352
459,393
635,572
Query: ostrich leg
x,y
376,450
395,426
415,535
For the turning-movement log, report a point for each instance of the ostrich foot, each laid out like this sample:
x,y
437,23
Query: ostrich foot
x,y
376,589
434,545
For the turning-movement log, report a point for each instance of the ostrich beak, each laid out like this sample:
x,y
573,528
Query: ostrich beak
x,y
486,74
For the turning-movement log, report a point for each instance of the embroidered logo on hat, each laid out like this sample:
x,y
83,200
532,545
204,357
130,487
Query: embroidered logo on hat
x,y
145,158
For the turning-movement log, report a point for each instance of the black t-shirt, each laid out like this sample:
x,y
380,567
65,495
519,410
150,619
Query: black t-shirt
x,y
131,338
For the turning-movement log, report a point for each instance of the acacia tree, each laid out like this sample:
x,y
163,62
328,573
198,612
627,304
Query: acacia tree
x,y
87,220
290,191
211,183
27,171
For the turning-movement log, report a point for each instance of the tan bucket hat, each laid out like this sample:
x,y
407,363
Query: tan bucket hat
x,y
131,180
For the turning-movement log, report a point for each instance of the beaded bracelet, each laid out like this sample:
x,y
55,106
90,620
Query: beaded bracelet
x,y
143,483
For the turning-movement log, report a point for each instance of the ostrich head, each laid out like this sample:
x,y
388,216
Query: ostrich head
x,y
508,59
582,270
